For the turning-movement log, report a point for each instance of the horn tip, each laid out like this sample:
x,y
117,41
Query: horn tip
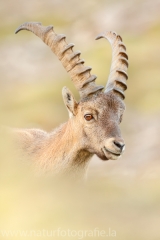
x,y
99,36
106,34
24,26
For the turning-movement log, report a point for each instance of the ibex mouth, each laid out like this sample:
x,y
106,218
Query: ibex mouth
x,y
109,152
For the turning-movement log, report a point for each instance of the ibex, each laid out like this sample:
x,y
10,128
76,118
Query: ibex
x,y
93,125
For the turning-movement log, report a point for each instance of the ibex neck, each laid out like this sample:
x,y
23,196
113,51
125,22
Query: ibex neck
x,y
65,151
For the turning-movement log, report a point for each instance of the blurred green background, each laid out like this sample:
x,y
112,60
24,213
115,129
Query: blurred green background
x,y
123,195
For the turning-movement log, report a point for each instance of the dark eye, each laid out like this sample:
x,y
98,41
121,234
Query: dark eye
x,y
88,117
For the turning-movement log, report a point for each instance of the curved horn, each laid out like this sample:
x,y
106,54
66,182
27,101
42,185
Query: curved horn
x,y
117,80
80,75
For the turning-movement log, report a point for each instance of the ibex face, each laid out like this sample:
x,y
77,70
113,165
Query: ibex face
x,y
97,120
93,127
102,131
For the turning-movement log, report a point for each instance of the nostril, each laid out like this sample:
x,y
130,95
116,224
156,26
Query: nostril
x,y
119,145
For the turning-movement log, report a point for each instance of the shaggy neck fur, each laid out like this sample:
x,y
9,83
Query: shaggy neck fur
x,y
59,152
66,151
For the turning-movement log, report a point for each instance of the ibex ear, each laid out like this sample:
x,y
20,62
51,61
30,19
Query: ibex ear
x,y
69,101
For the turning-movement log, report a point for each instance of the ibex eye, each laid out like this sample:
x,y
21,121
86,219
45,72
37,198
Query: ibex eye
x,y
88,117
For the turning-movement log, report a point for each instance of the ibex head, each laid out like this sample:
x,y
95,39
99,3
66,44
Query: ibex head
x,y
98,114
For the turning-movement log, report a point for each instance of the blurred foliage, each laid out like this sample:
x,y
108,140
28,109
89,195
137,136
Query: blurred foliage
x,y
122,195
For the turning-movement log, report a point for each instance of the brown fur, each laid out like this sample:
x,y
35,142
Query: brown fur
x,y
69,148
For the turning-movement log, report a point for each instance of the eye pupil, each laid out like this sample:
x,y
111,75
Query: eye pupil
x,y
88,117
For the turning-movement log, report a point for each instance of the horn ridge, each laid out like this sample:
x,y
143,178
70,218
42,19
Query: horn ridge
x,y
119,64
80,75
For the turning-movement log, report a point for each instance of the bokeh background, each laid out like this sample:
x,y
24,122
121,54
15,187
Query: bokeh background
x,y
122,195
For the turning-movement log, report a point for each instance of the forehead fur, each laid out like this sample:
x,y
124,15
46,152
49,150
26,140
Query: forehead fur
x,y
105,100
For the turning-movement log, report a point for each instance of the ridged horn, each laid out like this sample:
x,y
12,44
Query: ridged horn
x,y
117,80
80,75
